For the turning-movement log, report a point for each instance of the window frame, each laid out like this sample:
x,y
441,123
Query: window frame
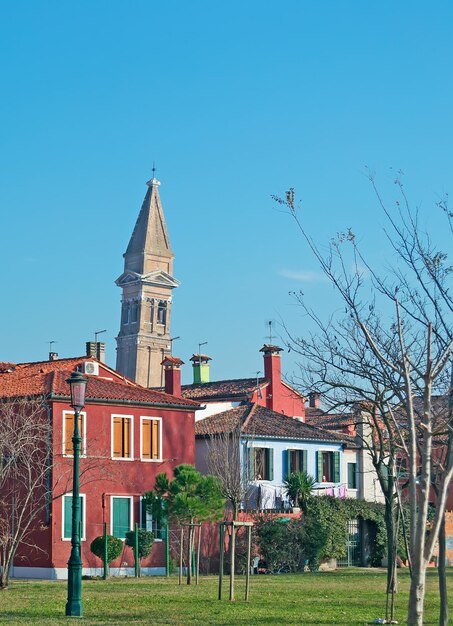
x,y
355,475
131,513
269,461
149,520
159,421
84,515
335,467
301,453
112,437
83,448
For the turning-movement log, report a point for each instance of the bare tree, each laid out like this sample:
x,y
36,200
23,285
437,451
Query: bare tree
x,y
31,477
224,461
25,434
405,346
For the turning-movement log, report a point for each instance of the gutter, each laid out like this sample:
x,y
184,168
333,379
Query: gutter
x,y
112,401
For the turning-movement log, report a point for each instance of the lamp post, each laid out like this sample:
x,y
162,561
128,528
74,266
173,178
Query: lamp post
x,y
77,384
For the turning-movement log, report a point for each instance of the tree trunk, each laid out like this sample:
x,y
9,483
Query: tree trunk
x,y
6,570
189,555
417,595
390,511
443,618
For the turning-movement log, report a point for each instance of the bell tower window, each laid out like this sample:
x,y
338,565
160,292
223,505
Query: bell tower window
x,y
126,313
162,312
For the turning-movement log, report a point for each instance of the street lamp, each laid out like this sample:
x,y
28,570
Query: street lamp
x,y
77,384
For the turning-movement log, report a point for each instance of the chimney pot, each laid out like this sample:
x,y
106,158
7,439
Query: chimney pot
x,y
314,400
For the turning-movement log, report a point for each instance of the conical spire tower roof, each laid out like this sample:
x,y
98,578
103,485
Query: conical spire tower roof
x,y
149,238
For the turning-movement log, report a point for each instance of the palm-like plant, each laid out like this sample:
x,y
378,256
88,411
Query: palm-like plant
x,y
299,487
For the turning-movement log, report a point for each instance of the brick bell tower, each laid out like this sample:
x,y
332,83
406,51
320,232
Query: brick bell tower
x,y
147,283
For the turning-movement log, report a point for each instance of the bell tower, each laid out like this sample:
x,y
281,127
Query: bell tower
x,y
147,283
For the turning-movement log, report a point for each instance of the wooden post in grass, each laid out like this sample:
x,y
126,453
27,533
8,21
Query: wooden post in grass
x,y
232,560
198,555
106,553
181,544
221,552
249,553
136,559
234,527
167,551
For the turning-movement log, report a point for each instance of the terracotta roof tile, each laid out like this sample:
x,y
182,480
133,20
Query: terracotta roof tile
x,y
259,421
45,377
239,387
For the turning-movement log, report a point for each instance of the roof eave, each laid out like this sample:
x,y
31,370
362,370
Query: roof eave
x,y
113,401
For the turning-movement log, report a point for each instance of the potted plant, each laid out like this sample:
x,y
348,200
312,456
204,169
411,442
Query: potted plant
x,y
299,487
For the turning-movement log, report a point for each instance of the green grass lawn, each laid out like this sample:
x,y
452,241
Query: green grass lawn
x,y
343,597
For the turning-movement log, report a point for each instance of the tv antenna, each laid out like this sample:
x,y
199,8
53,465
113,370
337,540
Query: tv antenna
x,y
51,344
203,343
98,332
269,324
172,339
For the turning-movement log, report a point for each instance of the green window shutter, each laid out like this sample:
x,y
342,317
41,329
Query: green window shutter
x,y
270,464
336,467
289,465
251,452
121,515
352,483
319,466
303,460
67,516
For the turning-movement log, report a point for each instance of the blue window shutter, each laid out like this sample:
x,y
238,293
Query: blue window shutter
x,y
270,457
336,467
285,464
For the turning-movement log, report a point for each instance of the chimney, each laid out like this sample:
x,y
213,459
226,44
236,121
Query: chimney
x,y
273,373
53,356
96,350
172,372
200,368
314,400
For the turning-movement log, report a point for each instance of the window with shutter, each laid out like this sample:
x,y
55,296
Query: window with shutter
x,y
336,467
297,461
122,437
263,463
151,439
352,475
67,516
121,520
68,431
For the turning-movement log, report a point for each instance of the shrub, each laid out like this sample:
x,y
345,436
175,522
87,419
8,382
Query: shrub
x,y
145,541
114,548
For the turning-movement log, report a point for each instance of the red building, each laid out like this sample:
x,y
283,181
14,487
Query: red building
x,y
129,433
270,391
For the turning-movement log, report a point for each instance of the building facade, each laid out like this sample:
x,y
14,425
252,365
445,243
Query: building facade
x,y
129,435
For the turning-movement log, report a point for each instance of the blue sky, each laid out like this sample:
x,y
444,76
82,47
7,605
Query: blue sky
x,y
234,102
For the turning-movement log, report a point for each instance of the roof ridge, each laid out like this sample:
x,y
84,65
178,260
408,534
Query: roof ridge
x,y
249,415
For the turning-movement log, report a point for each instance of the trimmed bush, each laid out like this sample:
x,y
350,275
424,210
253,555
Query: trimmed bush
x,y
145,541
114,548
